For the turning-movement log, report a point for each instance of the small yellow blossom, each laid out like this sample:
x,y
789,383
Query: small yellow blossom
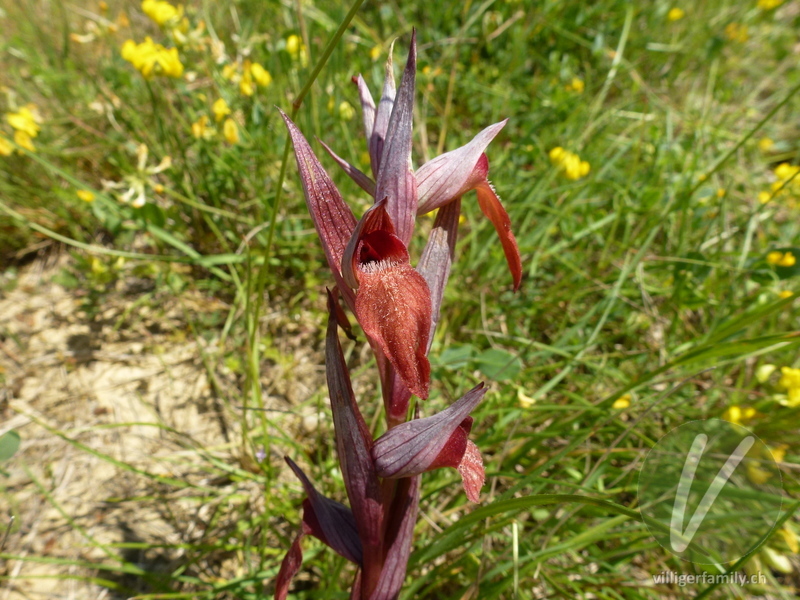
x,y
569,163
756,474
525,401
720,193
765,145
151,59
23,140
786,171
785,294
162,12
158,188
375,53
297,49
229,71
676,14
769,4
200,127
778,453
85,195
764,197
346,111
790,381
5,147
24,120
781,259
576,85
122,20
788,534
231,131
738,415
260,75
246,83
220,109
736,32
622,402
103,6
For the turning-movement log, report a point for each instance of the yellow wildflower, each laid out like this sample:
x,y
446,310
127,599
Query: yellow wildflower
x,y
788,534
162,12
676,14
24,120
769,4
375,53
297,49
576,85
756,474
23,140
158,188
5,147
622,402
785,294
738,415
151,59
781,259
764,197
85,195
200,127
103,6
246,82
122,20
720,193
736,32
786,171
261,75
790,381
764,372
346,111
570,163
765,145
231,131
220,109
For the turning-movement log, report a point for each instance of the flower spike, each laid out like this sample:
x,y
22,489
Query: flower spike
x,y
438,441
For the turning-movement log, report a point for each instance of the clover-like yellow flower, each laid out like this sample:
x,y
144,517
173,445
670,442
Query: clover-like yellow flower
x,y
162,12
261,76
85,195
783,294
790,381
297,49
151,59
25,120
676,14
375,53
781,259
220,109
231,131
769,4
622,402
569,163
765,145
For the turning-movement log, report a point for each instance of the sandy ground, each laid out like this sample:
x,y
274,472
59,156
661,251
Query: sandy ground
x,y
136,393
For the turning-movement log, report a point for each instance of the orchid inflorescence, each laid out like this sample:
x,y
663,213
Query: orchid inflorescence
x,y
397,306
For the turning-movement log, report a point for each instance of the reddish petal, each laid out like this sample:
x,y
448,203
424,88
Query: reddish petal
x,y
376,219
423,444
329,521
393,306
493,209
289,567
452,174
367,106
472,473
333,219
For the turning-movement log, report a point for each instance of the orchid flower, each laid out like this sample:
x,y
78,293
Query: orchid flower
x,y
397,306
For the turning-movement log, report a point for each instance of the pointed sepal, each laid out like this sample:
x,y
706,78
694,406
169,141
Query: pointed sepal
x,y
493,209
383,113
395,179
362,179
